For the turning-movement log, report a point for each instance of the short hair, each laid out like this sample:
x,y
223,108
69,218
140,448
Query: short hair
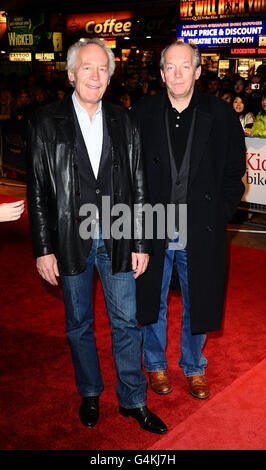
x,y
195,49
73,50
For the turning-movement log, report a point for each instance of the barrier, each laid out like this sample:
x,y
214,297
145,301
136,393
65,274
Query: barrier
x,y
255,176
254,198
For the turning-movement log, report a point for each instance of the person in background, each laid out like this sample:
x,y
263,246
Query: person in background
x,y
40,96
226,85
22,104
6,104
11,211
246,118
227,96
194,153
239,84
213,84
132,88
83,149
60,93
263,85
259,126
255,94
123,98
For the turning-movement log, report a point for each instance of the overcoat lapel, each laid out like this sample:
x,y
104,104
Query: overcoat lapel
x,y
160,131
201,134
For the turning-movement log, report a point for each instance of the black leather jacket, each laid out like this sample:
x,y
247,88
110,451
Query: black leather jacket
x,y
53,184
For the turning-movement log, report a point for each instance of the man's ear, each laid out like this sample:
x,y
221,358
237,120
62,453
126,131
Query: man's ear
x,y
70,76
162,75
198,72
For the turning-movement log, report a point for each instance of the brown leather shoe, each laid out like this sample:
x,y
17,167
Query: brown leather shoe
x,y
199,387
159,382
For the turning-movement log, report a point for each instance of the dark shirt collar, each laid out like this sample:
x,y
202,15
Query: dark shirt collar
x,y
192,103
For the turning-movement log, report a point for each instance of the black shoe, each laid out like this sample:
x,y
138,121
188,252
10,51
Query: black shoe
x,y
89,411
147,420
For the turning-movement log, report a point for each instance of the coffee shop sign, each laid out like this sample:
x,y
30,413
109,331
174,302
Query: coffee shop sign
x,y
112,26
109,26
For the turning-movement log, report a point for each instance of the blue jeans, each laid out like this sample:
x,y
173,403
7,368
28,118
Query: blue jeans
x,y
119,293
191,360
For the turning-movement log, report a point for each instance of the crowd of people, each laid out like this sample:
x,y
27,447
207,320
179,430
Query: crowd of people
x,y
248,97
19,96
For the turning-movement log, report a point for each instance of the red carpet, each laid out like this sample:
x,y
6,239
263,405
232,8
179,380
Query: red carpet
x,y
233,420
38,399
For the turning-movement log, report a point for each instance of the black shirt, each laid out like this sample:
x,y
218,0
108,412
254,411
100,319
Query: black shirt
x,y
179,126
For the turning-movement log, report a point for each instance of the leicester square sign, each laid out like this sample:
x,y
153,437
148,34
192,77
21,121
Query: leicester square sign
x,y
198,10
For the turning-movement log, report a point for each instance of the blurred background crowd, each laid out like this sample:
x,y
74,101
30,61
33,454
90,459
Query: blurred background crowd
x,y
20,96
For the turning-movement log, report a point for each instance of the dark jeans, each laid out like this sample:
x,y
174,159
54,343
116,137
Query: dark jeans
x,y
120,300
191,360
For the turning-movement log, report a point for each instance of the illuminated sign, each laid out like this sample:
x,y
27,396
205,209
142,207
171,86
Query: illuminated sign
x,y
110,26
114,24
196,10
20,57
44,56
241,34
99,24
111,43
21,29
29,34
2,23
243,51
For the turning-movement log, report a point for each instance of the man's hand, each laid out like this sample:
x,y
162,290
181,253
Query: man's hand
x,y
48,269
139,263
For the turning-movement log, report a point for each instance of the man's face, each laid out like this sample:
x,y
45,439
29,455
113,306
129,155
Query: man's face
x,y
226,97
180,73
213,86
91,74
239,86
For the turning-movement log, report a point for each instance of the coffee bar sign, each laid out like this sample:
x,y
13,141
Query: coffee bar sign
x,y
114,24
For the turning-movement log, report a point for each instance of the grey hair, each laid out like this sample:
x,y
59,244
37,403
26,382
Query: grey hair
x,y
195,49
73,50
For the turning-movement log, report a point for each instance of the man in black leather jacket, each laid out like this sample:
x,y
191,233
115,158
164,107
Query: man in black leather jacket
x,y
84,153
